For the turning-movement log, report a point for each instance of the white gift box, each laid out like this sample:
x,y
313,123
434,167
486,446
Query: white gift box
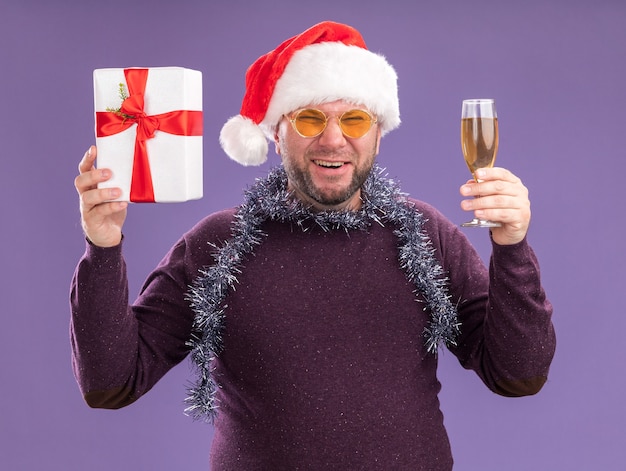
x,y
174,157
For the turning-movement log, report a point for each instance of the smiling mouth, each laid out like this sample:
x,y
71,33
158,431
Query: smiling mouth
x,y
327,164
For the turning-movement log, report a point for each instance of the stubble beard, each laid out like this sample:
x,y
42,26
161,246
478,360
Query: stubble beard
x,y
300,179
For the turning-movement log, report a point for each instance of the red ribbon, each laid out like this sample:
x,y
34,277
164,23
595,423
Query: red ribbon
x,y
180,123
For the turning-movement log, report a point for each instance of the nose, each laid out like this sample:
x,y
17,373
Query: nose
x,y
332,136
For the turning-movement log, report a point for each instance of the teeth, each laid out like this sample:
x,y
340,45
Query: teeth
x,y
323,163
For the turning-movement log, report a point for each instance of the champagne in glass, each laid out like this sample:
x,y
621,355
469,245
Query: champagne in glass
x,y
479,141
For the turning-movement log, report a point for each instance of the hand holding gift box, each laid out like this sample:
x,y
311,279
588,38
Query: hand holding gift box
x,y
149,132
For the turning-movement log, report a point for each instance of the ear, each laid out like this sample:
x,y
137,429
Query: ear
x,y
277,139
378,136
276,143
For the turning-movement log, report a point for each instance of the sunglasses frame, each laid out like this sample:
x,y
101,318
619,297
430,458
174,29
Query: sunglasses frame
x,y
292,119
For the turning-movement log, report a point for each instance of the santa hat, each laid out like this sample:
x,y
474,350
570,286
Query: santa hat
x,y
325,63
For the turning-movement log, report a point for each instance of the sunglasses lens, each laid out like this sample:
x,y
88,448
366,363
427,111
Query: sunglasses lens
x,y
310,123
355,123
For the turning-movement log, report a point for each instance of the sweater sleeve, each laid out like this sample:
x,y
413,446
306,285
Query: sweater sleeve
x,y
507,336
520,337
119,351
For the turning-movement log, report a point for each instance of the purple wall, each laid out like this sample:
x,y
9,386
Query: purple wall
x,y
558,72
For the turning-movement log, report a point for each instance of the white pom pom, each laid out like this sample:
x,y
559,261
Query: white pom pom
x,y
243,141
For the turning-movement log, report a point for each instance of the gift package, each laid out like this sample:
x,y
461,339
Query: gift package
x,y
149,132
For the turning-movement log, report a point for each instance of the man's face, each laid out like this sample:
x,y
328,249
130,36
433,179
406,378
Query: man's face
x,y
327,171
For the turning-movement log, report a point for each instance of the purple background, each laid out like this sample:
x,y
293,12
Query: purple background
x,y
557,70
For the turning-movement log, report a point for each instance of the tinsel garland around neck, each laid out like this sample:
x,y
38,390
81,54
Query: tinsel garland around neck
x,y
269,199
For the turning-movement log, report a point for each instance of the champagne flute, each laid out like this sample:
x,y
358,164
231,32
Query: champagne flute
x,y
479,141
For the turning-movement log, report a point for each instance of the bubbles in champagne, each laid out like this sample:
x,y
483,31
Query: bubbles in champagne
x,y
479,140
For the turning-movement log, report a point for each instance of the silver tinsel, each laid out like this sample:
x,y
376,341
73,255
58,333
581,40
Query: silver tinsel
x,y
269,199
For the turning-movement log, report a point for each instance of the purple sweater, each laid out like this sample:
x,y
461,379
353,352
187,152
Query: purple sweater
x,y
324,364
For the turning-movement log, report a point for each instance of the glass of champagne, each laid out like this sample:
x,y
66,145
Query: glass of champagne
x,y
479,140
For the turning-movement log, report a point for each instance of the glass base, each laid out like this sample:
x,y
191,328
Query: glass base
x,y
481,223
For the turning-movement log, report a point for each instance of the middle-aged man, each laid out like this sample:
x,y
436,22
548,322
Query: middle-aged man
x,y
314,310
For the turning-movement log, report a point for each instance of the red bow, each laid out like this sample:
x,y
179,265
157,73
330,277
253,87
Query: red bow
x,y
180,123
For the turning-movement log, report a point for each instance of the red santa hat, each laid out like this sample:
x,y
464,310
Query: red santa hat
x,y
325,63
